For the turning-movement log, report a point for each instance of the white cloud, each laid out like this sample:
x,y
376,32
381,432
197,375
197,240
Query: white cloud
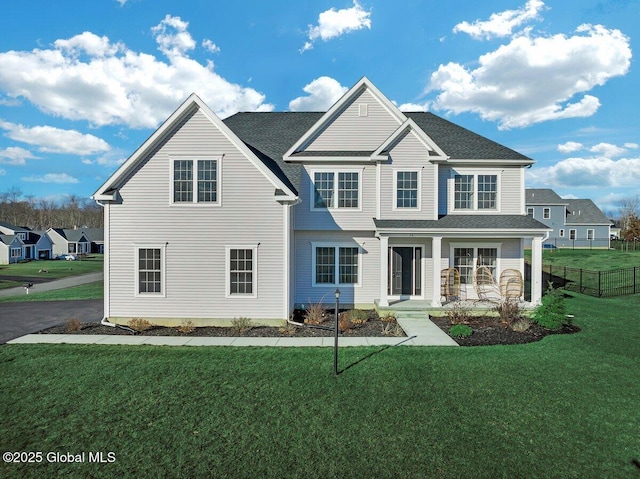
x,y
210,46
631,146
60,178
501,24
14,155
413,107
122,2
570,147
608,149
110,160
583,172
532,79
91,78
55,140
323,93
333,23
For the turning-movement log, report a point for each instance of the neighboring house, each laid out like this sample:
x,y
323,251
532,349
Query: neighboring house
x,y
10,249
576,223
66,240
96,236
35,244
262,212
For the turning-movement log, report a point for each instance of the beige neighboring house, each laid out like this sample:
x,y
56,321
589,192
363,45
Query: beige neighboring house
x,y
263,212
67,240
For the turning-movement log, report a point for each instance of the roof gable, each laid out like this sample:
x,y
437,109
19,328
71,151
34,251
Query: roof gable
x,y
346,103
108,191
409,126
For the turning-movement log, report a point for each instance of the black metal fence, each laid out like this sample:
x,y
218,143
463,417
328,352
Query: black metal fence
x,y
617,282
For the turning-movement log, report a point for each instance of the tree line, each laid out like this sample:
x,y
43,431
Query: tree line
x,y
41,214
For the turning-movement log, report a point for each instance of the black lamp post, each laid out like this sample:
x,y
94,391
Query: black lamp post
x,y
335,347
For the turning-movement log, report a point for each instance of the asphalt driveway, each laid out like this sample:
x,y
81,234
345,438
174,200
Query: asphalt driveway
x,y
18,319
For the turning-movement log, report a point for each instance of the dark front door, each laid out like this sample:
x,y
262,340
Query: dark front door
x,y
401,270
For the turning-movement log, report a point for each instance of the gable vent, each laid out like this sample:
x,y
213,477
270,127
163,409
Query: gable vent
x,y
363,109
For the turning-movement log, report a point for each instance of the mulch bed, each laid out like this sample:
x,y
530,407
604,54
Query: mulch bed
x,y
373,327
489,331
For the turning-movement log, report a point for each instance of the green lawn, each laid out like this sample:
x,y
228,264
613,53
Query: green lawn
x,y
55,269
565,407
595,260
85,291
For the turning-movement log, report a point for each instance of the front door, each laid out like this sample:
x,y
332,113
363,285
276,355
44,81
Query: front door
x,y
403,270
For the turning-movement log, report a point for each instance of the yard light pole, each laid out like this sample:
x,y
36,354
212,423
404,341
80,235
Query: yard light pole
x,y
335,347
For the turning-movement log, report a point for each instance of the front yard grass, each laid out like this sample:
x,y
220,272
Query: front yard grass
x,y
565,407
594,260
84,291
55,269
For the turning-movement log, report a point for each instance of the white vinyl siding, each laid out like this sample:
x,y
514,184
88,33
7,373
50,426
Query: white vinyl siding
x,y
195,238
351,131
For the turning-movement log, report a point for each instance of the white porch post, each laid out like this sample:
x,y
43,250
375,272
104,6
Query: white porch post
x,y
384,270
536,270
436,253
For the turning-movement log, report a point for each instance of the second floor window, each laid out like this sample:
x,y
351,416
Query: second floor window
x,y
406,189
195,181
546,213
336,189
475,192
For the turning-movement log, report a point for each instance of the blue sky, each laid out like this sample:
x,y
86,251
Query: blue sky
x,y
83,84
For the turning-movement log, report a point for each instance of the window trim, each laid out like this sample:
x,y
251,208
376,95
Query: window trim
x,y
336,175
475,172
254,271
593,234
561,233
574,233
336,246
163,270
194,180
418,206
531,211
18,249
546,213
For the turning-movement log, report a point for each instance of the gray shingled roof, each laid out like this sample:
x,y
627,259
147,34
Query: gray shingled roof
x,y
543,196
585,212
519,222
271,134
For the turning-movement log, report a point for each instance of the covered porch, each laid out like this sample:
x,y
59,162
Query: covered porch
x,y
413,255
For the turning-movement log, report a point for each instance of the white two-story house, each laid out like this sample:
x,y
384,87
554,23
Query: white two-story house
x,y
263,212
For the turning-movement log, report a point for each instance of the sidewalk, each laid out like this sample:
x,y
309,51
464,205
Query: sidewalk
x,y
420,332
55,284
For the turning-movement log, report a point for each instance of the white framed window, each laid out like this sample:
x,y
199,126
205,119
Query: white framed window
x,y
406,189
22,236
546,213
335,190
561,233
530,211
195,181
591,234
473,191
335,264
150,270
242,271
16,252
572,234
467,257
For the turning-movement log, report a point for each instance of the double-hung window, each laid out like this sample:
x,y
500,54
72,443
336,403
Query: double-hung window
x,y
16,252
196,181
466,259
150,271
242,271
406,189
339,189
334,265
475,192
546,213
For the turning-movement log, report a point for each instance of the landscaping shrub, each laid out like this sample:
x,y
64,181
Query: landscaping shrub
x,y
551,311
242,324
388,317
344,322
460,331
358,317
391,328
186,327
509,311
521,325
139,324
73,325
459,314
315,313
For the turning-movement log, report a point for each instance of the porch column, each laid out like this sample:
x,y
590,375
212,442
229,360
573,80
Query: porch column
x,y
384,270
536,270
436,254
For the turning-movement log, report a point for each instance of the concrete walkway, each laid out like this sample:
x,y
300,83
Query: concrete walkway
x,y
55,284
420,332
